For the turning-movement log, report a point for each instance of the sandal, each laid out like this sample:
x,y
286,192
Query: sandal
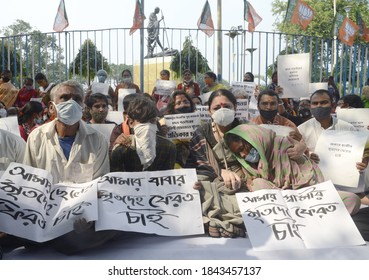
x,y
214,231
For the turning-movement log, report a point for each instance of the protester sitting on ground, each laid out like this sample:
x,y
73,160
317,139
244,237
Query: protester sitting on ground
x,y
249,77
161,100
45,88
25,94
196,100
97,106
101,87
188,84
29,118
8,92
179,103
69,149
211,83
12,149
351,101
126,83
219,173
145,150
12,111
264,157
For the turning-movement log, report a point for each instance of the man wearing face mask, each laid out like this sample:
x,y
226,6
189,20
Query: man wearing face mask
x,y
127,83
321,103
268,101
66,147
145,150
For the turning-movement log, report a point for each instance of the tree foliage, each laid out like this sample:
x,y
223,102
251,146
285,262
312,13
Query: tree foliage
x,y
188,58
88,61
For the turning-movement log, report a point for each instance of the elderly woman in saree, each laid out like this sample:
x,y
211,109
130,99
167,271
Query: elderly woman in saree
x,y
219,173
263,157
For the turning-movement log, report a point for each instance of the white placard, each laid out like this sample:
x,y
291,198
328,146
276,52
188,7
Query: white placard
x,y
123,92
358,117
104,128
161,202
243,88
294,74
36,99
242,110
182,126
298,219
115,116
10,124
315,86
100,88
164,87
205,97
280,130
338,152
32,208
204,113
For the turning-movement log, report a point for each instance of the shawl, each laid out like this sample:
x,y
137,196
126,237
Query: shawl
x,y
274,165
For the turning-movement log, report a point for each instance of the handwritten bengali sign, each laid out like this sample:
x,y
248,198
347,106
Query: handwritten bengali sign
x,y
164,87
297,219
358,117
294,74
338,152
32,208
98,87
204,113
182,126
242,110
161,202
243,88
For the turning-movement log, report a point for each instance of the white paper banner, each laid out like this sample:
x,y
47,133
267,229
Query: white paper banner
x,y
182,126
358,117
164,87
123,92
243,88
280,130
104,128
10,124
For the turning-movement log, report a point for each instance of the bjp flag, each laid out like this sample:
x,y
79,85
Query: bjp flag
x,y
347,32
138,18
302,15
205,22
61,20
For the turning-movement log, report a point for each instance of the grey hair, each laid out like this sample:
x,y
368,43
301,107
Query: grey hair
x,y
70,83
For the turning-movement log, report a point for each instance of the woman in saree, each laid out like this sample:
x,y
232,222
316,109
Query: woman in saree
x,y
266,164
219,173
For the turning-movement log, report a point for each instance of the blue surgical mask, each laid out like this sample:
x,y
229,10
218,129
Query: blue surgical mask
x,y
253,156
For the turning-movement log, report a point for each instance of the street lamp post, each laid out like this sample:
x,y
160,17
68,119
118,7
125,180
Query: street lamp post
x,y
232,34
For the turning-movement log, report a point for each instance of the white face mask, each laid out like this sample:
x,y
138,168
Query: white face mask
x,y
223,116
253,156
68,112
127,80
145,136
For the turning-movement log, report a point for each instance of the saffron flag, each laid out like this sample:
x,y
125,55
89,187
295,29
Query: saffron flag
x,y
251,16
205,22
347,32
61,19
302,15
363,30
138,18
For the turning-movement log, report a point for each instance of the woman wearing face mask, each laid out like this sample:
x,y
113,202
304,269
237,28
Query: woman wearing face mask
x,y
219,173
179,103
127,83
29,118
25,94
264,157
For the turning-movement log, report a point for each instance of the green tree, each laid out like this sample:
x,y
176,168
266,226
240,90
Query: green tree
x,y
88,61
188,58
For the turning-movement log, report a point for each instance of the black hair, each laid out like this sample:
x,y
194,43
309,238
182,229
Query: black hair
x,y
166,72
222,92
269,92
251,76
142,109
127,99
40,76
321,92
211,75
32,107
353,101
172,100
230,138
93,98
127,70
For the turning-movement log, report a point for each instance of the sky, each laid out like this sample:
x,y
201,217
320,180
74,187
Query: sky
x,y
92,15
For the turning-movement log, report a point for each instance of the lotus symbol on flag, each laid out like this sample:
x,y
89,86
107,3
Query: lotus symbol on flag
x,y
305,13
349,31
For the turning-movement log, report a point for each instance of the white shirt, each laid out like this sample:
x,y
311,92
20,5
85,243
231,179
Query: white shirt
x,y
88,157
311,130
12,148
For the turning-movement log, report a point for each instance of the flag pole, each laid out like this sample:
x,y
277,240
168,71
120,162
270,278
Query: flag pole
x,y
142,41
220,41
